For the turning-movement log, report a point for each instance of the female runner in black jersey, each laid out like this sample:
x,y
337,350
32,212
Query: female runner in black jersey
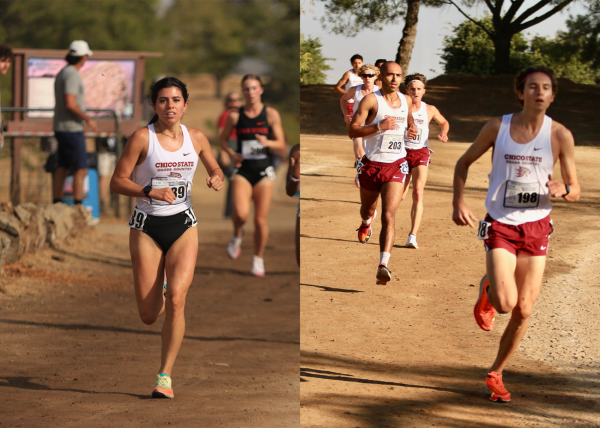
x,y
259,134
163,157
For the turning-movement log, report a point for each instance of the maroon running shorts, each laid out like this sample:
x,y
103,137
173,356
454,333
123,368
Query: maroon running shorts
x,y
372,175
528,238
418,157
350,107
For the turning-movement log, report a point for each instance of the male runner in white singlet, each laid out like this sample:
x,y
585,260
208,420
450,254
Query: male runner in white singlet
x,y
368,73
418,153
382,119
526,145
350,79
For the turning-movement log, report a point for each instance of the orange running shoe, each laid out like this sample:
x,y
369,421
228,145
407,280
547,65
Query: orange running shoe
x,y
364,231
162,387
485,314
496,389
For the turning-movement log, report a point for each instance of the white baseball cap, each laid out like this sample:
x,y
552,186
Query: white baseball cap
x,y
79,48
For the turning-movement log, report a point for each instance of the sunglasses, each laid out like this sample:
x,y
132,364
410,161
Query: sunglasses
x,y
367,75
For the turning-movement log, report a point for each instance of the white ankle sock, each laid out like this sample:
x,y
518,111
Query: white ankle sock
x,y
384,258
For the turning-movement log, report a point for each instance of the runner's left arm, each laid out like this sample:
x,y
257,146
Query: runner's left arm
x,y
278,142
411,129
440,120
202,147
568,171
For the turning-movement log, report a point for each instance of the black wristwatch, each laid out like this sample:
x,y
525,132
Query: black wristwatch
x,y
147,191
568,191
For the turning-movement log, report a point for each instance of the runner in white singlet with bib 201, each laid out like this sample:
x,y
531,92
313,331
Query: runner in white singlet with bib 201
x,y
526,146
163,238
418,152
383,120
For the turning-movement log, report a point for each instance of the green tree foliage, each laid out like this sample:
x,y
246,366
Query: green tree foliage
x,y
471,51
584,30
312,73
195,36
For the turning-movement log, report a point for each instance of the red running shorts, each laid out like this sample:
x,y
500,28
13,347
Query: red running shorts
x,y
528,238
418,157
372,175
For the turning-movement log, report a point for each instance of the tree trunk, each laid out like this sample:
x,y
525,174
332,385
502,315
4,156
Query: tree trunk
x,y
218,84
409,33
502,52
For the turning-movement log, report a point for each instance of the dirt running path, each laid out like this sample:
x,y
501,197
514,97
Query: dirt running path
x,y
74,353
409,354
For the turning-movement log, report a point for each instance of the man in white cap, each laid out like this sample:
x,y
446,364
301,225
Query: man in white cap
x,y
69,115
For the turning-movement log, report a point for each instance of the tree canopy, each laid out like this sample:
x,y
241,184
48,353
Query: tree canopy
x,y
470,51
311,71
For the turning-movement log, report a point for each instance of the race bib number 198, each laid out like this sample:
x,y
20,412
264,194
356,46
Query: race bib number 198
x,y
521,195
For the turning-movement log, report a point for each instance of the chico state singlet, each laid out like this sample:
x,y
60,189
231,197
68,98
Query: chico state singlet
x,y
353,81
358,96
422,123
255,154
517,192
162,168
387,146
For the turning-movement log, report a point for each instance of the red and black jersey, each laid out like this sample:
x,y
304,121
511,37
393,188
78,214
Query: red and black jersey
x,y
248,146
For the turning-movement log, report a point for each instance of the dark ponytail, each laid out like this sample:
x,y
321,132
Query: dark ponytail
x,y
167,82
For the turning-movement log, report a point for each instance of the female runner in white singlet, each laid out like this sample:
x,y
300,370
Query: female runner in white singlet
x,y
162,158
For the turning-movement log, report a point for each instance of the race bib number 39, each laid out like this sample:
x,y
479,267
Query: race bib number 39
x,y
392,143
252,149
521,195
179,188
137,220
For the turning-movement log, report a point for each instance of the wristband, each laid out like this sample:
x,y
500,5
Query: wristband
x,y
568,191
147,191
294,179
378,127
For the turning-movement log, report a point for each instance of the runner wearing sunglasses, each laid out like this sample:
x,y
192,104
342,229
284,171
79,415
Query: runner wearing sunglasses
x,y
368,74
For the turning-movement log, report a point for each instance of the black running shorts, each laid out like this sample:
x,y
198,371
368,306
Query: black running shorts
x,y
164,230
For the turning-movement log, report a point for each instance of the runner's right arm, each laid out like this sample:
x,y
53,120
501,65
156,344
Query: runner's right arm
x,y
230,123
134,153
339,88
344,100
368,108
461,214
292,183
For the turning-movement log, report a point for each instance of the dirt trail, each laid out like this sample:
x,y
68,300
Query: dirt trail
x,y
409,354
74,352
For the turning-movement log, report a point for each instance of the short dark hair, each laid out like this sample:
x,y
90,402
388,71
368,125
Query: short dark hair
x,y
6,52
72,59
524,74
380,62
415,76
356,56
